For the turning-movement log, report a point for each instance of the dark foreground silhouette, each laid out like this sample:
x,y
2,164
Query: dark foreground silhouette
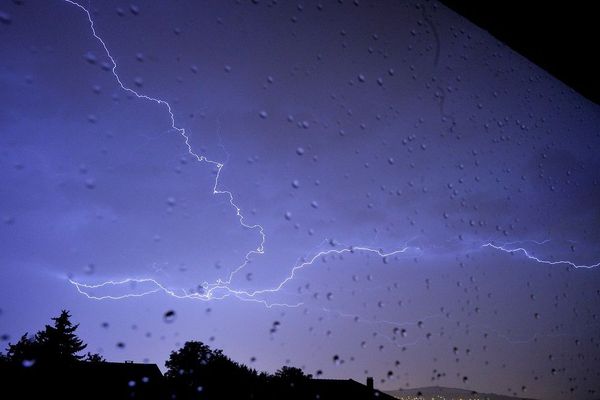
x,y
48,365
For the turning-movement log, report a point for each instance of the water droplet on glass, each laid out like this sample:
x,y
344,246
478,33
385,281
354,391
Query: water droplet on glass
x,y
90,57
169,316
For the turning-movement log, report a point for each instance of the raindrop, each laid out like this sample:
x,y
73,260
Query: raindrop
x,y
89,269
90,183
169,316
90,57
263,114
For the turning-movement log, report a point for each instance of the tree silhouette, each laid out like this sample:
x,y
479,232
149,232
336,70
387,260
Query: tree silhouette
x,y
292,374
59,343
291,383
94,357
24,352
55,345
197,370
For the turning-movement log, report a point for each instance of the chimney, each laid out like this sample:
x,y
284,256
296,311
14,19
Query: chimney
x,y
370,382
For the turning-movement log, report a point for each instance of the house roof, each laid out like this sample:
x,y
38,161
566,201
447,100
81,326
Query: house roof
x,y
346,388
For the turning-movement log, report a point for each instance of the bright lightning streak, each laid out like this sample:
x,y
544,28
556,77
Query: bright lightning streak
x,y
298,267
220,289
183,133
537,259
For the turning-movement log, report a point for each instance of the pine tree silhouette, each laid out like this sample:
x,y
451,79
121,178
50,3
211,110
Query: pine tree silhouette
x,y
59,343
55,345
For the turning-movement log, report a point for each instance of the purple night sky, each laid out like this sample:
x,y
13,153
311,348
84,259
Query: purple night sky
x,y
381,126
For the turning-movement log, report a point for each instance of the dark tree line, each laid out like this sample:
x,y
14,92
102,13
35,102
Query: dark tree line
x,y
55,345
194,371
197,371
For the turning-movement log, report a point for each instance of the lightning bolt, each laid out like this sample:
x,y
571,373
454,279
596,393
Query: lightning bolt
x,y
537,259
220,289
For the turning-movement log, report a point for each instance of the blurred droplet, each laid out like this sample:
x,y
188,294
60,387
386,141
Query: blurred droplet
x,y
169,316
90,57
89,268
90,183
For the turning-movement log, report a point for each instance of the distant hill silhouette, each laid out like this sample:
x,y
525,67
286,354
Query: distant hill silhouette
x,y
430,392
